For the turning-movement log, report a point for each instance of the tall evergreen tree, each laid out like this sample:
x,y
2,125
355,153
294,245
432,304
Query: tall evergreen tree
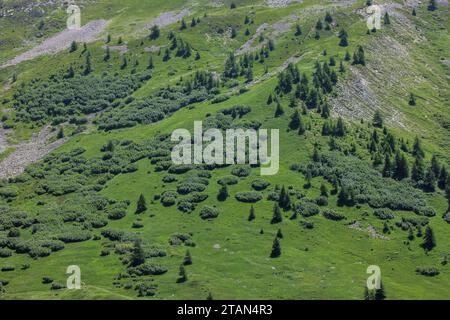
x,y
279,110
429,242
141,204
154,32
187,258
401,170
443,178
417,148
276,248
429,182
377,120
435,166
251,215
432,6
223,193
295,120
137,254
182,274
277,217
386,18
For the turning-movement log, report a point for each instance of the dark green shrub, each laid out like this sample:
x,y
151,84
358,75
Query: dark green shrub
x,y
208,212
248,196
383,214
260,184
228,180
333,215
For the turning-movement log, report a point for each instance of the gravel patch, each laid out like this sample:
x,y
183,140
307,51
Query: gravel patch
x,y
369,229
61,41
28,153
167,18
120,49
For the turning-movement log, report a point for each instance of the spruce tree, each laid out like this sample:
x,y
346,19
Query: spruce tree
x,y
88,66
60,134
435,166
141,204
277,217
154,33
386,19
417,148
295,120
137,254
323,190
276,248
223,193
443,178
401,170
412,100
70,72
429,182
187,258
107,54
279,110
301,126
183,25
429,241
298,30
377,120
182,275
150,65
73,47
251,215
432,6
166,56
279,234
418,170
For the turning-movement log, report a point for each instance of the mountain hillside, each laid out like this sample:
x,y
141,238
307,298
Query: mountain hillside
x,y
87,179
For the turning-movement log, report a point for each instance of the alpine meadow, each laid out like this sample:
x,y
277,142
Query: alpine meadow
x,y
351,98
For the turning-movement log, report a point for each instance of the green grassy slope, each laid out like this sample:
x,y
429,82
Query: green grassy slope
x,y
231,256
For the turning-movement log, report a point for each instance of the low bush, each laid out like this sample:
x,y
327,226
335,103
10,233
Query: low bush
x,y
429,272
383,214
333,215
248,196
260,184
208,212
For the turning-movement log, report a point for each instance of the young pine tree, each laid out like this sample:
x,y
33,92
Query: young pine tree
x,y
141,204
276,248
429,242
187,259
137,254
277,217
251,215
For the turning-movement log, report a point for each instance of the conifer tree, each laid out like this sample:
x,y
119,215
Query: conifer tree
x,y
377,120
417,148
432,6
70,72
150,65
223,193
279,110
166,56
88,66
298,30
137,254
386,19
429,242
401,170
279,234
429,182
323,190
107,54
435,166
295,120
387,169
443,178
154,32
418,170
141,204
124,63
183,24
412,100
341,67
276,248
73,47
251,215
301,126
187,258
182,275
277,217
